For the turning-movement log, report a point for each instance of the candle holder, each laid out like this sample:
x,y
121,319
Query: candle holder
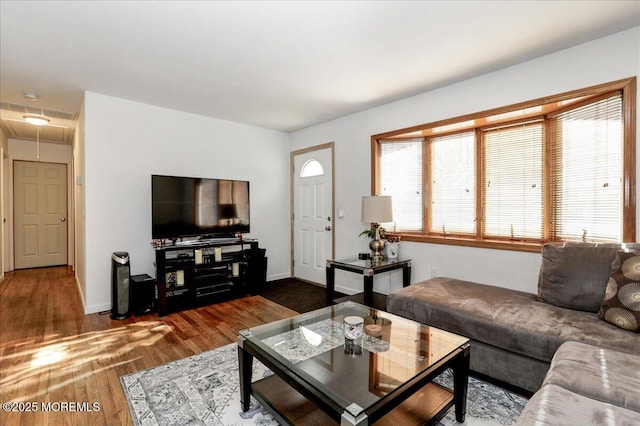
x,y
353,335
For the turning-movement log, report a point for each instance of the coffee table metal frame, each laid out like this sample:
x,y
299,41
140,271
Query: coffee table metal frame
x,y
250,347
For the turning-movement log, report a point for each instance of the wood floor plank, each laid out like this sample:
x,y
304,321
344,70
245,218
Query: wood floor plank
x,y
51,352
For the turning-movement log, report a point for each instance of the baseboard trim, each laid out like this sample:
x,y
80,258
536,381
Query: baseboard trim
x,y
276,277
89,309
94,309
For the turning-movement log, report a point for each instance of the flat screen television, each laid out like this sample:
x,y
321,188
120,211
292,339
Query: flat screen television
x,y
202,207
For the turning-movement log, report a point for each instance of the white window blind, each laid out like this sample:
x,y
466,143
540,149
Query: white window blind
x,y
452,180
557,171
401,177
587,180
513,204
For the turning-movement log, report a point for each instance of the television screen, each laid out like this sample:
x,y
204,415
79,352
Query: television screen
x,y
186,207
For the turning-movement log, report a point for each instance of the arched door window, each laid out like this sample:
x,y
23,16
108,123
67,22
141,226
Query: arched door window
x,y
311,168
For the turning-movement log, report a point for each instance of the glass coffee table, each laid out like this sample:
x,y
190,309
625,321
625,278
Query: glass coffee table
x,y
389,381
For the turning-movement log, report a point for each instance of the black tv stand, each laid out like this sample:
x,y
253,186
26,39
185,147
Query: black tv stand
x,y
198,272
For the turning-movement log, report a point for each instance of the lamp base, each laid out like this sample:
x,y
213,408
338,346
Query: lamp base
x,y
376,247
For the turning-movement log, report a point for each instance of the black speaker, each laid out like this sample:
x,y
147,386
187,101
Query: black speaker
x,y
143,294
120,275
258,270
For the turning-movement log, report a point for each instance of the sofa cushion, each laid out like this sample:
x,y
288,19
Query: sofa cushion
x,y
508,319
574,275
553,406
621,304
519,370
598,373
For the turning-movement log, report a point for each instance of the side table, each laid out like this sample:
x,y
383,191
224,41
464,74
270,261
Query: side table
x,y
367,269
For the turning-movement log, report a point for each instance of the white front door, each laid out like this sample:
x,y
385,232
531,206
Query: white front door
x,y
40,214
312,213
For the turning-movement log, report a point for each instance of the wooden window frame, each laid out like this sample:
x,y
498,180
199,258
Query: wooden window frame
x,y
628,89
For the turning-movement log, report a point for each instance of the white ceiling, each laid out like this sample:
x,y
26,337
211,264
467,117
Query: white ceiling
x,y
281,65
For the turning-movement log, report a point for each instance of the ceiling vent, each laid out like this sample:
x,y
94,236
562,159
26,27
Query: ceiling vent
x,y
29,109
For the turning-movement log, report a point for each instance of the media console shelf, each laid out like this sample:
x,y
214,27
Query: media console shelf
x,y
205,272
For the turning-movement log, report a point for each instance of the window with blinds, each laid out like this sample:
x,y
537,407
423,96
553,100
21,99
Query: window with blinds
x,y
452,175
562,169
512,181
586,179
401,176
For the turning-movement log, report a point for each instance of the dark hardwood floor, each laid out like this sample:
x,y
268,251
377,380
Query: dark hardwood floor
x,y
50,352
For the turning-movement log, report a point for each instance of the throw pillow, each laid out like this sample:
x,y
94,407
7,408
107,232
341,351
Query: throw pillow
x,y
574,275
621,304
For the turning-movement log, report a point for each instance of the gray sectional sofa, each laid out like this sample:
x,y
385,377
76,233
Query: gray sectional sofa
x,y
587,385
514,335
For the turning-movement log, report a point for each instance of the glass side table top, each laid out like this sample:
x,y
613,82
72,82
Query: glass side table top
x,y
356,262
311,346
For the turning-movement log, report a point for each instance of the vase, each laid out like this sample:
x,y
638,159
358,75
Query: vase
x,y
391,250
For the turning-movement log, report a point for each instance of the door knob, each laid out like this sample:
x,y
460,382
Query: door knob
x,y
63,219
327,228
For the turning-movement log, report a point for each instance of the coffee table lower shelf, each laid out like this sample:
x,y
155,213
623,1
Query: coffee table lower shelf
x,y
377,300
426,406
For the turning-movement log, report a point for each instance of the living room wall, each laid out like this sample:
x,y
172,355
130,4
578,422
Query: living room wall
x,y
80,254
603,60
126,142
4,142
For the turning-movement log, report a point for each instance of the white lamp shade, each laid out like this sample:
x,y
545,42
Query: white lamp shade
x,y
377,209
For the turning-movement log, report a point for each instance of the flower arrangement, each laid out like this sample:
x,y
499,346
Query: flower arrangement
x,y
371,232
393,238
384,235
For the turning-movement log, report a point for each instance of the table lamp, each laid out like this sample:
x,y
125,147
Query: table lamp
x,y
376,209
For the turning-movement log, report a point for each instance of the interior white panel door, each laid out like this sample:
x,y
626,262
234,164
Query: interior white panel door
x,y
313,221
40,214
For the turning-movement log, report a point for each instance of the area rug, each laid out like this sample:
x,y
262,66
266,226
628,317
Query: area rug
x,y
203,390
